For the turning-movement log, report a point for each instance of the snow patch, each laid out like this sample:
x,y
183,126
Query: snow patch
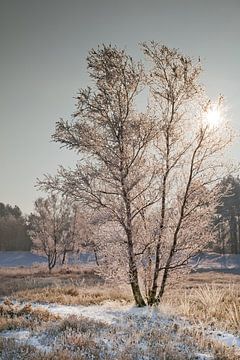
x,y
201,356
226,338
26,337
123,316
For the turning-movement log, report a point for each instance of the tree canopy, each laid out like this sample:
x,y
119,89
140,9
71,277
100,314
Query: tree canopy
x,y
13,229
151,175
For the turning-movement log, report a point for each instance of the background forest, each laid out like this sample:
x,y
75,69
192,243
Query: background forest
x,y
13,229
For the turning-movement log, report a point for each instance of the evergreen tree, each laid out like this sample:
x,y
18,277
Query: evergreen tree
x,y
13,229
227,217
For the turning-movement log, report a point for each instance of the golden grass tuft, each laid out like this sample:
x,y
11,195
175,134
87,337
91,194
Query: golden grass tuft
x,y
74,295
209,304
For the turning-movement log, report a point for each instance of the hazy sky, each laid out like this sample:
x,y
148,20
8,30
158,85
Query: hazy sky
x,y
43,46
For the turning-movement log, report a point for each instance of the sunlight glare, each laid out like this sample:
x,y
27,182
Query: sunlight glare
x,y
213,117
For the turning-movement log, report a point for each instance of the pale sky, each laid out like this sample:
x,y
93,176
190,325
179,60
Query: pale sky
x,y
43,47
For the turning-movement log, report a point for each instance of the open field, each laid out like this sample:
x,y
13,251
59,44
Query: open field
x,y
74,314
35,278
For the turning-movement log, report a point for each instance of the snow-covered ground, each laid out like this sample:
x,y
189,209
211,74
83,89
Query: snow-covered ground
x,y
214,261
113,312
20,258
203,262
124,318
26,258
23,336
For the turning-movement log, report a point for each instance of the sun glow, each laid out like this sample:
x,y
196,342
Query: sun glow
x,y
213,117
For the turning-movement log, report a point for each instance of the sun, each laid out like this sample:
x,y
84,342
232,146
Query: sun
x,y
213,117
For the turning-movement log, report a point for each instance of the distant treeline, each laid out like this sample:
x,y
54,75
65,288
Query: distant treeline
x,y
227,218
13,229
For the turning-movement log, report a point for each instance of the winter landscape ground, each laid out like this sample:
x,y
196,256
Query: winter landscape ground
x,y
74,314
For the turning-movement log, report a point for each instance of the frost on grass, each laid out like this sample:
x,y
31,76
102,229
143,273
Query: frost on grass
x,y
109,331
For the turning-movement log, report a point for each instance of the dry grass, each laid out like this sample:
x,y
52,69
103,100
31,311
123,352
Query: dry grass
x,y
81,338
217,349
37,277
12,350
85,339
215,305
210,299
15,316
73,285
74,295
195,279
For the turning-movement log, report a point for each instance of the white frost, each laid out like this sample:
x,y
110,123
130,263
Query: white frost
x,y
115,313
26,337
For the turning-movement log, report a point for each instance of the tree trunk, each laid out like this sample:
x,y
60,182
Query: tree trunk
x,y
133,272
178,227
238,234
153,292
52,258
167,267
233,232
64,257
96,257
137,294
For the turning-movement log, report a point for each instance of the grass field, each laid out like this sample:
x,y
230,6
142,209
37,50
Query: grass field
x,y
191,311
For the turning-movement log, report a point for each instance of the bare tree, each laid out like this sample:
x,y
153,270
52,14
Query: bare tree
x,y
52,228
71,234
89,239
151,175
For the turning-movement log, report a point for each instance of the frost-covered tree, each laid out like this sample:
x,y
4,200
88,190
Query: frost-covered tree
x,y
89,240
189,148
112,139
53,228
150,175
